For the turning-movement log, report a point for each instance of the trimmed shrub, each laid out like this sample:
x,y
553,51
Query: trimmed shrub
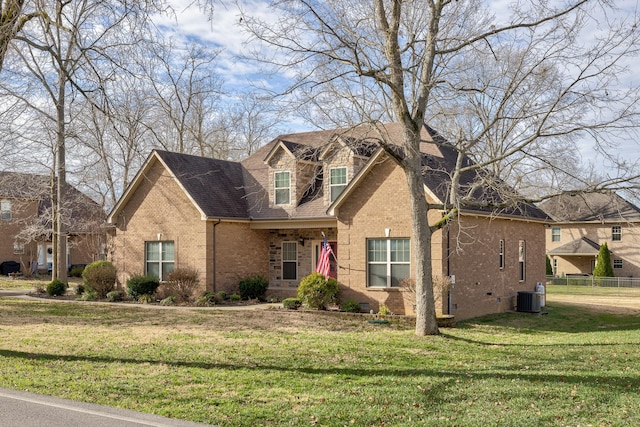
x,y
384,310
316,291
235,297
253,287
291,303
115,296
100,277
142,285
350,306
221,296
182,283
56,288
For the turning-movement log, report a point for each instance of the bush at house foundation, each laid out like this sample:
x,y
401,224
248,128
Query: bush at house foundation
x,y
141,285
182,283
100,277
254,287
316,291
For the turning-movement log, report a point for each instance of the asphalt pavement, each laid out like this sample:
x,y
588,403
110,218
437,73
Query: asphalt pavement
x,y
22,409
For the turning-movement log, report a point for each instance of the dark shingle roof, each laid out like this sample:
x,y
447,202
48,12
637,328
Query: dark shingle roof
x,y
215,185
82,214
240,190
578,247
590,207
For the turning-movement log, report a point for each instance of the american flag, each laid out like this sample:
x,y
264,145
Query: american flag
x,y
323,261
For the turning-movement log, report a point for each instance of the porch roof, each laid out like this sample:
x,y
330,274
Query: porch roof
x,y
579,247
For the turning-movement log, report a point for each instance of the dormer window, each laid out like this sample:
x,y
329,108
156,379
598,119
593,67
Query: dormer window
x,y
282,188
337,181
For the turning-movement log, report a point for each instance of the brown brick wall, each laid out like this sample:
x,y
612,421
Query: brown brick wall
x,y
481,287
382,201
159,206
22,211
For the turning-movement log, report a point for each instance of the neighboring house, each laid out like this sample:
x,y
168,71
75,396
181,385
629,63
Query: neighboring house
x,y
25,223
582,222
267,215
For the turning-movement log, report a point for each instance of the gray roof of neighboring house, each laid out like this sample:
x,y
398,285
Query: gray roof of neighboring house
x,y
582,246
600,207
215,185
240,190
84,213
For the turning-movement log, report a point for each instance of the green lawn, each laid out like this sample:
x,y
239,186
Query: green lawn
x,y
276,368
592,290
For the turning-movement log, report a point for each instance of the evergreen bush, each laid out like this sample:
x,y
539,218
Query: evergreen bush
x,y
253,287
316,291
142,285
100,277
56,288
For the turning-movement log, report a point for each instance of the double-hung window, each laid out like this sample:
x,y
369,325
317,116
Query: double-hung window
x,y
555,234
617,263
282,186
337,181
159,259
388,262
289,261
5,210
522,260
616,233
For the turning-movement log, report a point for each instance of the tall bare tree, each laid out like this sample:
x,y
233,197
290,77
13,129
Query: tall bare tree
x,y
550,69
67,52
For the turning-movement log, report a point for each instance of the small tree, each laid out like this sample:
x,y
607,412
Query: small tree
x,y
603,263
549,267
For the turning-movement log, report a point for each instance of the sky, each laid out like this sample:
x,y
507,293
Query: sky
x,y
221,29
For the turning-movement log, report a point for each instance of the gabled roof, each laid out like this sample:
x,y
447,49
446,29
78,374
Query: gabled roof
x,y
229,190
214,186
599,207
83,214
578,247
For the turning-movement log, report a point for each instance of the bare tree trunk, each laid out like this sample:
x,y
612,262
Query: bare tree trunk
x,y
60,260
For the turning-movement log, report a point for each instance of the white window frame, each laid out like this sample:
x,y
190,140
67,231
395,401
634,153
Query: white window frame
x,y
617,263
293,249
18,248
501,262
616,233
162,262
281,189
5,210
389,262
339,187
556,234
522,260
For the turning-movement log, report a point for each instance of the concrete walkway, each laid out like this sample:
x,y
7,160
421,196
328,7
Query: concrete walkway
x,y
22,409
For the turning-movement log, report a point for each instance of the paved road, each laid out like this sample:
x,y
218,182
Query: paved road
x,y
21,409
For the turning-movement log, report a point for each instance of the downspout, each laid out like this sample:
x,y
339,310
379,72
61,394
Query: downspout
x,y
214,253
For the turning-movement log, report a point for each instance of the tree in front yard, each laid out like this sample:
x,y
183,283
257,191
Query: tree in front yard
x,y
603,263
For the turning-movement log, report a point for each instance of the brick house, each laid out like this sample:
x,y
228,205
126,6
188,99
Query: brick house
x,y
25,223
582,222
267,214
